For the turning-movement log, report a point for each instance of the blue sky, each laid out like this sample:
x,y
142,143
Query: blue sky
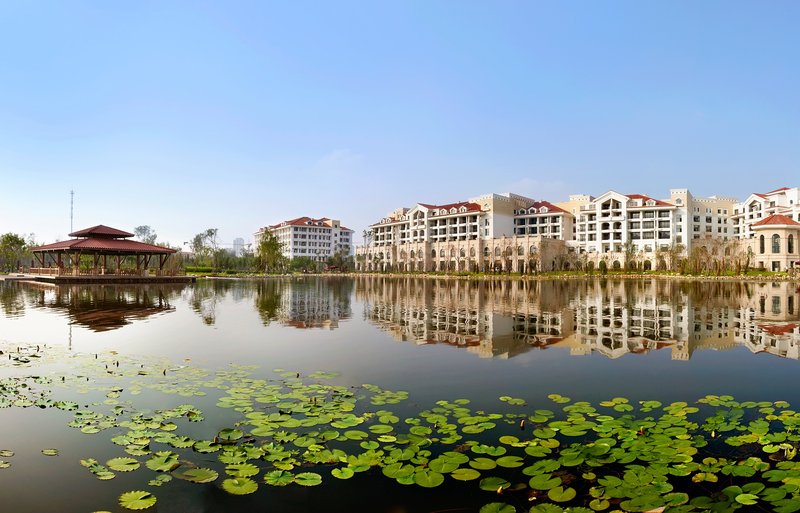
x,y
190,115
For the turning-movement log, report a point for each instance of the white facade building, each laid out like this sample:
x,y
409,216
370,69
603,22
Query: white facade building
x,y
318,239
783,201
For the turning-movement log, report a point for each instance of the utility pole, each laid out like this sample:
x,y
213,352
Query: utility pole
x,y
71,202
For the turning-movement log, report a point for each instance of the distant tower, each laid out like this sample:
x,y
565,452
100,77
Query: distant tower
x,y
238,245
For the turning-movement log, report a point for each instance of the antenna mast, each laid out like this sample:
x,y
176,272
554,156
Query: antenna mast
x,y
71,198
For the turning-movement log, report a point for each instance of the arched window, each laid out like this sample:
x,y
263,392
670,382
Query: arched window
x,y
412,254
790,244
472,252
462,253
433,253
532,250
776,243
486,252
520,251
497,251
761,245
453,253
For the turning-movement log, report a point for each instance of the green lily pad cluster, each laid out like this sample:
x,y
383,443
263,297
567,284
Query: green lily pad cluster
x,y
285,430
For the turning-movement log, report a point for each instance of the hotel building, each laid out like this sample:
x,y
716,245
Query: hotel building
x,y
489,232
318,239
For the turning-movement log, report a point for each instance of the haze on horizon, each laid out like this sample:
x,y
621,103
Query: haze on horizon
x,y
192,115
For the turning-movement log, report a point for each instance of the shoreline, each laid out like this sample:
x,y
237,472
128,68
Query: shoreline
x,y
529,277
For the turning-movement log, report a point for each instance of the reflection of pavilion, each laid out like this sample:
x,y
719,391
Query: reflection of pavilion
x,y
612,318
107,307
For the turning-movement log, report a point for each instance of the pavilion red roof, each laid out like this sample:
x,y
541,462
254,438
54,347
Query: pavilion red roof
x,y
101,231
101,239
104,244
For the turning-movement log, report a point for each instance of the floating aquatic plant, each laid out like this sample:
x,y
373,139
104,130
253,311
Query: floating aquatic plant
x,y
291,430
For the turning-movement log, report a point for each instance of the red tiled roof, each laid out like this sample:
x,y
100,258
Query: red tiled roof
x,y
101,231
471,207
303,221
777,329
776,190
645,199
104,244
552,208
776,219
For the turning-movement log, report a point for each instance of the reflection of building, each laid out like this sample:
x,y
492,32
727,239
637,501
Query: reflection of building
x,y
770,321
612,318
315,303
108,307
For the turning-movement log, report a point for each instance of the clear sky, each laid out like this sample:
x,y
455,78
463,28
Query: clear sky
x,y
191,115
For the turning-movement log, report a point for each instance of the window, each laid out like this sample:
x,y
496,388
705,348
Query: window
x,y
776,243
761,244
520,251
790,244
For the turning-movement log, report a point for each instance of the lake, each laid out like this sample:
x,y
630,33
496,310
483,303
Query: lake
x,y
270,374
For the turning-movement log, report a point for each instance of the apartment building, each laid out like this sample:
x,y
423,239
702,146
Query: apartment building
x,y
614,226
784,201
478,234
544,218
318,239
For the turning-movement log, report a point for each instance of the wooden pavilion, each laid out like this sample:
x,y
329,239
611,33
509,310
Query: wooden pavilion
x,y
104,245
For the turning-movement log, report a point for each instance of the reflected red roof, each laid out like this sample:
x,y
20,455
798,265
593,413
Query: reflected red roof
x,y
777,219
101,231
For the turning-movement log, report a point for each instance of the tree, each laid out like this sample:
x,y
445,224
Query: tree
x,y
270,252
302,264
145,234
204,245
341,260
12,250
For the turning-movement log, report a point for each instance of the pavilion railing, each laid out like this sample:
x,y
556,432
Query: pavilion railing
x,y
70,271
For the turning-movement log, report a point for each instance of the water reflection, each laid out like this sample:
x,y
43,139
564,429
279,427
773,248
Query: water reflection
x,y
295,302
102,307
612,318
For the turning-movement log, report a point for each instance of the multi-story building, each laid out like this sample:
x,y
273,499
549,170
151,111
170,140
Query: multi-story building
x,y
238,246
757,206
318,239
477,234
545,219
620,227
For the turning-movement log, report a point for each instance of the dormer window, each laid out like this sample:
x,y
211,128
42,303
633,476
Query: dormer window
x,y
543,210
453,210
463,209
651,203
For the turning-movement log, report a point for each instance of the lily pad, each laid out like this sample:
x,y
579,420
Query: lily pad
x,y
137,500
239,486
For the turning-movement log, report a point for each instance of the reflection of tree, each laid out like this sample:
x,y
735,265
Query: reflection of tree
x,y
268,299
11,300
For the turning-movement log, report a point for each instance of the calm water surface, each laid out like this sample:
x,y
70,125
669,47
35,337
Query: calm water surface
x,y
436,339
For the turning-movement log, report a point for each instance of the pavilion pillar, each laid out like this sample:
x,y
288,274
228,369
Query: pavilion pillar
x,y
105,265
119,265
138,265
76,264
